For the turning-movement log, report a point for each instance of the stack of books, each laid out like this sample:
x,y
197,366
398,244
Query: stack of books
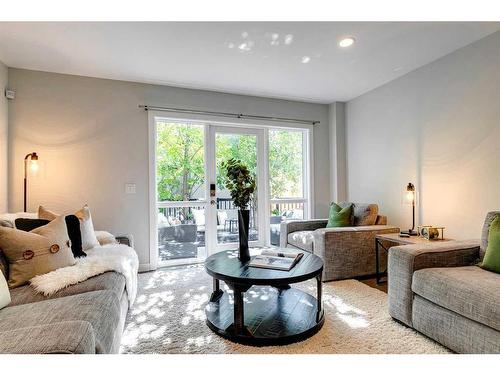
x,y
276,259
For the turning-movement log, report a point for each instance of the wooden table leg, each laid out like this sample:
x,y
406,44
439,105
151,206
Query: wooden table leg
x,y
217,293
239,309
319,286
378,273
282,288
239,314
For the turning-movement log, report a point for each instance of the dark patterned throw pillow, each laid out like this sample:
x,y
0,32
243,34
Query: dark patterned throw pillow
x,y
75,235
28,225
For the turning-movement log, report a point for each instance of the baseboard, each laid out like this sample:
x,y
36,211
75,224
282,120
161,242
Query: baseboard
x,y
145,267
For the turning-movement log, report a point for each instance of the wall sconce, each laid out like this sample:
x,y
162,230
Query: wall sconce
x,y
410,197
31,162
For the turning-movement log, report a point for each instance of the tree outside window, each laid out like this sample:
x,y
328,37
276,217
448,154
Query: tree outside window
x,y
181,160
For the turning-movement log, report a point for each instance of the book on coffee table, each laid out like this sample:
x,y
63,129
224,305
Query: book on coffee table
x,y
279,259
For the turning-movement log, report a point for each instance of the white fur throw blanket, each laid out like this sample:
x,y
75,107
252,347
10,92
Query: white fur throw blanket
x,y
100,259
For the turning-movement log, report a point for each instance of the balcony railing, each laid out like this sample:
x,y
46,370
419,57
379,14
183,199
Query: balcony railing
x,y
291,208
181,225
183,210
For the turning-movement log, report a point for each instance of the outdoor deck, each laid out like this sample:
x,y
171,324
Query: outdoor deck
x,y
181,230
172,249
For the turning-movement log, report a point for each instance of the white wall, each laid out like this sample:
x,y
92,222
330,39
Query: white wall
x,y
3,138
438,126
92,139
337,141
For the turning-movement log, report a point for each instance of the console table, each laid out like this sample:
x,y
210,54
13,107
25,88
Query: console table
x,y
263,309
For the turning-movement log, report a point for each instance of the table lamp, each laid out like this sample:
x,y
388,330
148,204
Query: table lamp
x,y
410,195
32,160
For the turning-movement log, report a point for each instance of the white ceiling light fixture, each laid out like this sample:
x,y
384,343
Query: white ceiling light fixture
x,y
305,59
346,42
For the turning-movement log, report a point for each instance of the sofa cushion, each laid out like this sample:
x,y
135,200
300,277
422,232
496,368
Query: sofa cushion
x,y
339,217
28,225
6,223
72,225
105,238
456,332
486,230
4,292
75,235
89,239
469,291
302,240
40,251
100,308
111,281
50,339
491,259
4,265
8,219
364,213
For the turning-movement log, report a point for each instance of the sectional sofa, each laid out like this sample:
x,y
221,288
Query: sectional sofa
x,y
87,317
439,290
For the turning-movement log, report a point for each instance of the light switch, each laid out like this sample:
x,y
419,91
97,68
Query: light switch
x,y
129,188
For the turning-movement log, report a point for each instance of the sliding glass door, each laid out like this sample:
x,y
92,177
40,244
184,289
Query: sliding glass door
x,y
192,213
244,144
181,205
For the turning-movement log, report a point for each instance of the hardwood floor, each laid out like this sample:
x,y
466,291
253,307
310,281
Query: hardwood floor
x,y
371,282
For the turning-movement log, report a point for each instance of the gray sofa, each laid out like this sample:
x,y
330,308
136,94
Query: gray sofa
x,y
348,251
438,289
88,317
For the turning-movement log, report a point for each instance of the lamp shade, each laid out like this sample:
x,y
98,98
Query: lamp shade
x,y
34,166
409,195
410,198
31,165
32,161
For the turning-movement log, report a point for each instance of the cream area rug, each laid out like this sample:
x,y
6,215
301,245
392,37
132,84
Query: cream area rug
x,y
168,317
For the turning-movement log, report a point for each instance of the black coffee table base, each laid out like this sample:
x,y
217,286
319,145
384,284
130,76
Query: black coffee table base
x,y
269,316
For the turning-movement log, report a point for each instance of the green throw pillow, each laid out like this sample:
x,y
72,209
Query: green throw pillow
x,y
491,260
339,217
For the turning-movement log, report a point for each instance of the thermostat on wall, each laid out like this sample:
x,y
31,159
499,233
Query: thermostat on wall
x,y
10,94
130,189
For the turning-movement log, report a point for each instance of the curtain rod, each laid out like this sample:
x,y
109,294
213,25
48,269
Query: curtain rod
x,y
227,114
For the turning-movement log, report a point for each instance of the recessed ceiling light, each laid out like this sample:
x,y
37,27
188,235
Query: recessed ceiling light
x,y
346,42
305,59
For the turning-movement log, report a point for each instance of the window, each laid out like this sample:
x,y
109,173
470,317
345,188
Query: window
x,y
181,190
287,178
180,163
186,158
286,162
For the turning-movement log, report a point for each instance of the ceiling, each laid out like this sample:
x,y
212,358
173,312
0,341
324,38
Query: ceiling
x,y
289,60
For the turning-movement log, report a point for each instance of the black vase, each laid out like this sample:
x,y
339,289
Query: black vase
x,y
243,227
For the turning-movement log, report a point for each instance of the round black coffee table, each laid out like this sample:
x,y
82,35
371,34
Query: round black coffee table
x,y
263,309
